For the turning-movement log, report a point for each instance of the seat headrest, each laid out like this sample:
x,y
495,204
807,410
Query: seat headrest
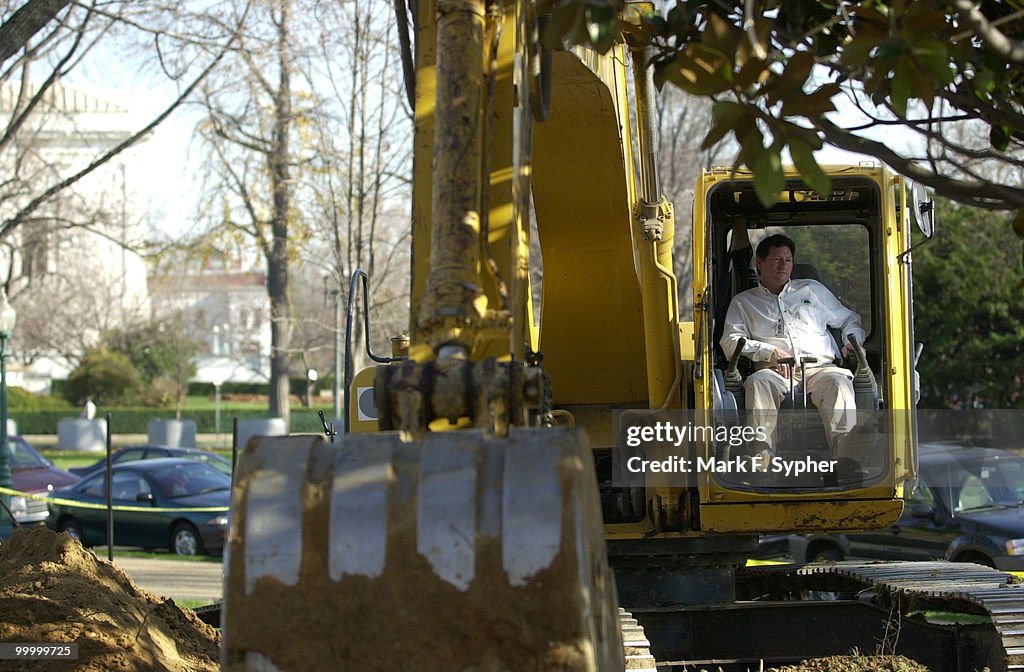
x,y
805,272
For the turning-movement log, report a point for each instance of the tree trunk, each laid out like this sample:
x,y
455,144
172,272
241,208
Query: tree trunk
x,y
277,252
280,329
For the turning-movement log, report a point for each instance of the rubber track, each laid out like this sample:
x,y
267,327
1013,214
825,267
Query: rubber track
x,y
950,586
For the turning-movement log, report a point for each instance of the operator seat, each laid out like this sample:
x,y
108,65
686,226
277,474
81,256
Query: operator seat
x,y
805,272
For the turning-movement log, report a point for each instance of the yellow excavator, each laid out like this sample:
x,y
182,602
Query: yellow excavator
x,y
483,509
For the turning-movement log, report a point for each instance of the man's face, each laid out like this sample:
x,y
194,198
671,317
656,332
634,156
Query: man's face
x,y
776,268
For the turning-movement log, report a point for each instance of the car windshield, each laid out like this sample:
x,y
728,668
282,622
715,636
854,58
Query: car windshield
x,y
216,461
189,478
998,480
24,456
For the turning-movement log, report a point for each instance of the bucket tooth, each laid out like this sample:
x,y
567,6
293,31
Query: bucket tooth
x,y
446,514
273,539
359,510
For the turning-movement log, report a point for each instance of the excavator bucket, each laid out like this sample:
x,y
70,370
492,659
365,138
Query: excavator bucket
x,y
457,552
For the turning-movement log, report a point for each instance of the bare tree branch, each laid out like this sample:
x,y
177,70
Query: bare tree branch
x,y
978,193
1012,51
10,224
30,18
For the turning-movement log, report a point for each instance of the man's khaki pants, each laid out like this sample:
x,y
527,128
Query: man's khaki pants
x,y
830,388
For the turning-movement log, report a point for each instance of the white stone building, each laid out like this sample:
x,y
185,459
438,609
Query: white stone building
x,y
70,265
227,308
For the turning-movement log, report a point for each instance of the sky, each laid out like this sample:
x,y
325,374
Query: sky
x,y
165,179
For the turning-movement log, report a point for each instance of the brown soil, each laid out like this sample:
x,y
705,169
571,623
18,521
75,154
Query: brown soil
x,y
54,591
855,664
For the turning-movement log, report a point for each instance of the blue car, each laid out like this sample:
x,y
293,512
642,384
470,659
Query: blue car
x,y
152,452
968,506
173,503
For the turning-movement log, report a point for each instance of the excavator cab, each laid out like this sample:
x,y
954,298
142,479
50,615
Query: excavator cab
x,y
853,241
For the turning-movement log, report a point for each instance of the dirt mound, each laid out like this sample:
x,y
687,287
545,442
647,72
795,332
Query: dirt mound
x,y
855,663
52,590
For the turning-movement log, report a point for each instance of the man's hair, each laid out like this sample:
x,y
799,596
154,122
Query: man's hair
x,y
775,240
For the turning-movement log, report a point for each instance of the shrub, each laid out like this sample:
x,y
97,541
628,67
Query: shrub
x,y
106,376
128,420
19,399
161,392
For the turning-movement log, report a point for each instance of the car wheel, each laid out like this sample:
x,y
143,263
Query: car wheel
x,y
72,528
185,540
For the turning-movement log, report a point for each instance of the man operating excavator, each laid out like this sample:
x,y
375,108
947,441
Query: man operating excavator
x,y
786,326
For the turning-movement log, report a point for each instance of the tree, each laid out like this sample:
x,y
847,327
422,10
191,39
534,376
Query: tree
x,y
254,118
308,160
961,283
32,79
66,312
359,177
162,352
105,376
776,69
681,158
28,20
52,197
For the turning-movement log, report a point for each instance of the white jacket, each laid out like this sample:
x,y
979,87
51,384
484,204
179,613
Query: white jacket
x,y
796,321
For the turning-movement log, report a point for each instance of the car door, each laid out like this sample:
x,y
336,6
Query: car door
x,y
924,536
911,537
93,521
133,524
131,527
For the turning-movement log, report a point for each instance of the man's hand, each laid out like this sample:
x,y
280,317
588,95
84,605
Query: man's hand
x,y
848,350
784,370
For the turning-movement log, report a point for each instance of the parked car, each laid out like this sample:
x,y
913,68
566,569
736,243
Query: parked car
x,y
172,487
150,452
33,474
968,506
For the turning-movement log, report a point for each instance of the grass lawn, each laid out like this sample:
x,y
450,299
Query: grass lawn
x,y
203,403
65,459
200,403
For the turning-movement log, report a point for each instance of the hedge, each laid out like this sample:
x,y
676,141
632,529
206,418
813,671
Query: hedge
x,y
297,386
136,420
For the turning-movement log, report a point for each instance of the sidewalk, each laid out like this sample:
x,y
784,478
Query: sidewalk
x,y
177,579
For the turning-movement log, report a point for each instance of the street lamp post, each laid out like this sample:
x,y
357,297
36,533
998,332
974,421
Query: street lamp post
x,y
7,319
335,293
311,377
217,382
